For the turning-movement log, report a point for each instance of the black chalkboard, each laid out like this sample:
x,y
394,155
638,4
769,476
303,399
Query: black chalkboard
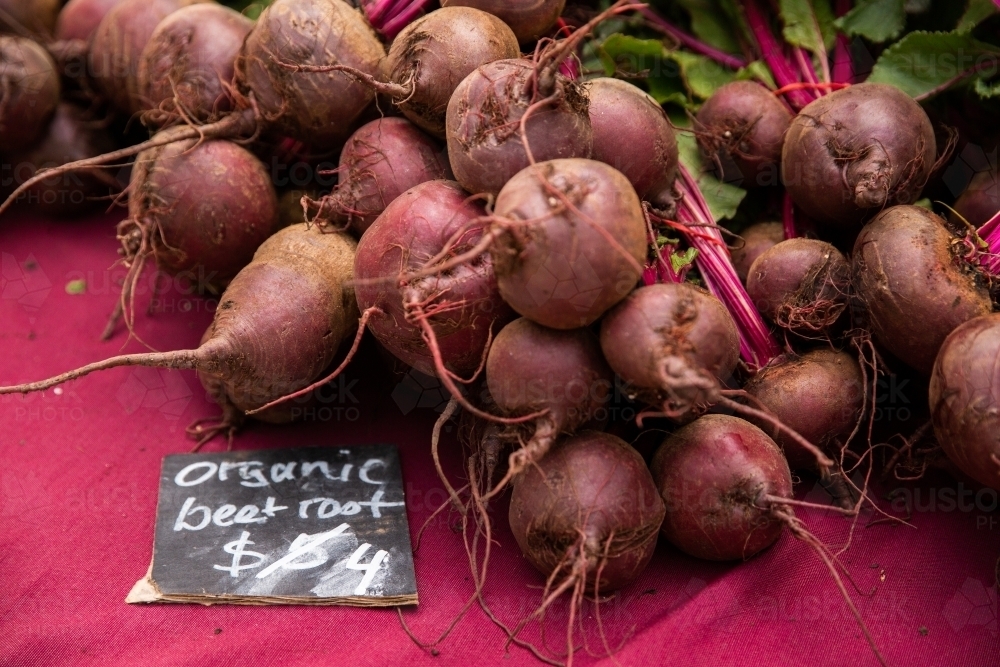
x,y
318,525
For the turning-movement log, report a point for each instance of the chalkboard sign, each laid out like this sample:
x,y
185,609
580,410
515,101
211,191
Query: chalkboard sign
x,y
290,526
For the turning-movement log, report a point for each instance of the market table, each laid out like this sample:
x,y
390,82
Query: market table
x,y
79,469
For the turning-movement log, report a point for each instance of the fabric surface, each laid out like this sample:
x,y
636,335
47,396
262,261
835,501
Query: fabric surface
x,y
78,482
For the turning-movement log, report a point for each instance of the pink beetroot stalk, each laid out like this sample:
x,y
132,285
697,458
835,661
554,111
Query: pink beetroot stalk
x,y
990,235
569,68
843,65
691,42
389,17
785,72
757,345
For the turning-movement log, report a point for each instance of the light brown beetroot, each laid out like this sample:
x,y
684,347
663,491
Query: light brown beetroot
x,y
29,92
36,16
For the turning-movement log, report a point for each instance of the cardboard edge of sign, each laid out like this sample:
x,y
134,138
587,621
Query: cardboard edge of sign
x,y
145,591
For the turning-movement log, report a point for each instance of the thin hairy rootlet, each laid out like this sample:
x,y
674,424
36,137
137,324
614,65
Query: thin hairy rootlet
x,y
380,162
586,516
728,496
741,128
801,285
29,92
186,68
965,399
852,153
278,326
200,210
633,134
529,19
560,375
908,268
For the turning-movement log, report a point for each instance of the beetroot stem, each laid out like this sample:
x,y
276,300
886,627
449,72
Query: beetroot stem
x,y
990,234
773,53
757,345
405,14
691,42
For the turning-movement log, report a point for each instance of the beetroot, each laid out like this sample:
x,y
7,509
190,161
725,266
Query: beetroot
x,y
742,127
34,16
980,201
908,271
754,240
71,136
380,161
586,516
29,93
801,285
277,327
571,244
200,210
533,369
458,310
633,134
529,19
819,394
431,56
852,153
964,398
117,43
718,477
78,19
188,63
674,344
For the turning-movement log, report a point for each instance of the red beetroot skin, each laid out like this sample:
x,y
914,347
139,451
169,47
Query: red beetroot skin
x,y
191,57
529,19
755,240
980,201
380,161
965,399
713,475
590,501
78,19
414,228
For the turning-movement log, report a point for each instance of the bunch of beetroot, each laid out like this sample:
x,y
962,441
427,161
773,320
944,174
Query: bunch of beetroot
x,y
532,240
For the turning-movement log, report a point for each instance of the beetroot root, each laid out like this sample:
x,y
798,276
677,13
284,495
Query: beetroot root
x,y
36,16
29,92
964,398
573,244
277,327
801,285
980,201
78,19
633,134
189,61
856,151
742,128
380,161
533,369
906,271
529,19
819,394
755,239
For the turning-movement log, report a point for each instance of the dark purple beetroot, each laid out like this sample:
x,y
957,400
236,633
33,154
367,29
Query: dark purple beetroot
x,y
674,344
380,161
907,271
78,19
35,16
633,134
462,306
856,151
117,43
754,240
980,201
716,476
200,209
484,121
576,243
71,135
819,394
529,19
188,64
318,108
531,368
29,92
965,399
589,507
742,128
432,55
801,285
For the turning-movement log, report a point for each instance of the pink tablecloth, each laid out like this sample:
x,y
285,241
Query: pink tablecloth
x,y
78,482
